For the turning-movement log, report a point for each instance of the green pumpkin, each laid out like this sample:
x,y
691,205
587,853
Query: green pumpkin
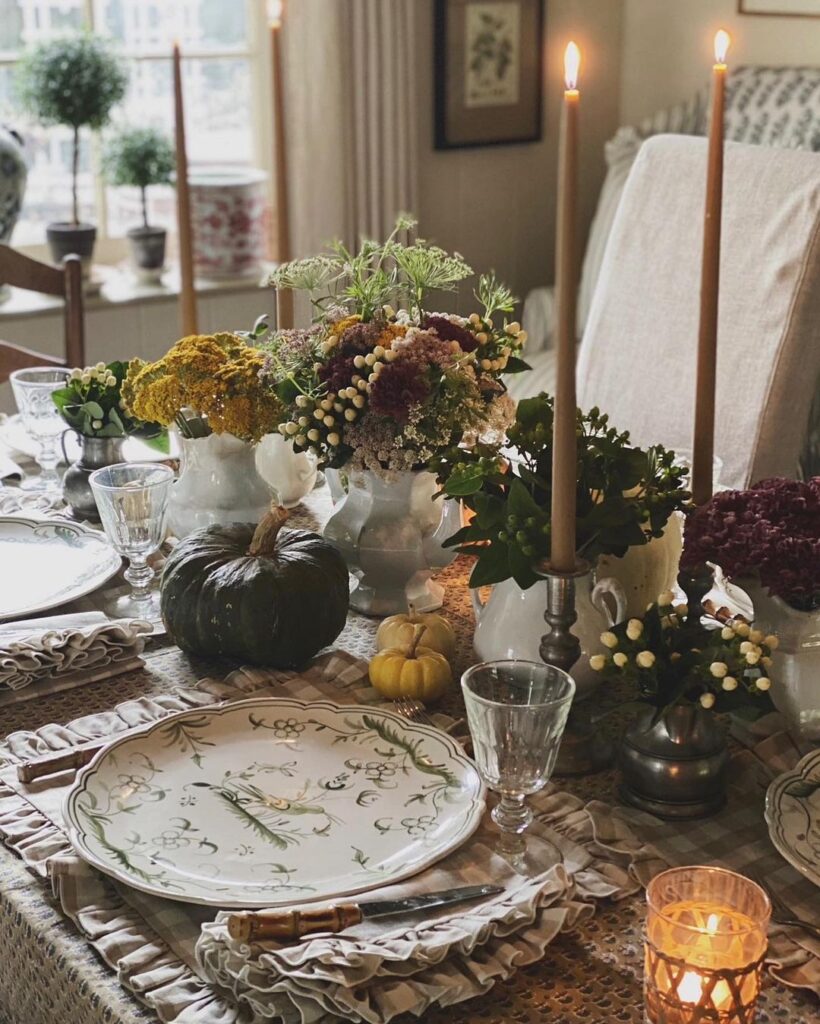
x,y
254,594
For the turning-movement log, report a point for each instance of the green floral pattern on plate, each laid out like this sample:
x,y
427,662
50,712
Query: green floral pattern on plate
x,y
268,802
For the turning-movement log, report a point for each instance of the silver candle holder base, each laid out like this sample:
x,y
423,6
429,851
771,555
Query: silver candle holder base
x,y
585,748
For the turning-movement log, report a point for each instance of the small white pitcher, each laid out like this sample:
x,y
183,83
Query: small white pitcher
x,y
511,623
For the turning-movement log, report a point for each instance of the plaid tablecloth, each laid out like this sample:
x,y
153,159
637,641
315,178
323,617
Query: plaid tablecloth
x,y
49,974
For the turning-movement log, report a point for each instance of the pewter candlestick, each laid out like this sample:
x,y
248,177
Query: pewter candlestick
x,y
584,748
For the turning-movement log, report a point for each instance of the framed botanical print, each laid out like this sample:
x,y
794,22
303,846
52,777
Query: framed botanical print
x,y
489,72
782,8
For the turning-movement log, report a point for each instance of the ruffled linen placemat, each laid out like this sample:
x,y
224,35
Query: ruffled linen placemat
x,y
151,943
55,654
736,838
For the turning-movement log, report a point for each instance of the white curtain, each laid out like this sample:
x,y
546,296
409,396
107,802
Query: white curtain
x,y
351,118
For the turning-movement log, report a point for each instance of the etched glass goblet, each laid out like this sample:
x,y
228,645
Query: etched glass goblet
x,y
33,390
132,499
516,711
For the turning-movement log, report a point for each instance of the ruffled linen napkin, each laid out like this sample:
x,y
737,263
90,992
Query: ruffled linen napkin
x,y
68,650
386,967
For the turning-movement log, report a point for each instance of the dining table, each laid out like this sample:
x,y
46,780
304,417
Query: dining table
x,y
590,973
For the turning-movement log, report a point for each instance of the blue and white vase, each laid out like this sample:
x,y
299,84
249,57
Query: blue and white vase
x,y
13,174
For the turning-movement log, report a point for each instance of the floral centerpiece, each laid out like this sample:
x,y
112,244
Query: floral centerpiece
x,y
684,666
91,405
625,496
372,388
209,388
767,540
381,385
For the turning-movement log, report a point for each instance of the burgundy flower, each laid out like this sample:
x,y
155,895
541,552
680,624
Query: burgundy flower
x,y
400,385
449,331
338,371
771,531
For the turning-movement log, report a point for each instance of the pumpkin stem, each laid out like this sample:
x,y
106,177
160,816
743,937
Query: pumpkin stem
x,y
415,640
263,542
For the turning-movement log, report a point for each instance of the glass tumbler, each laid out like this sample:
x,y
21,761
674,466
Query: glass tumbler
x,y
516,711
33,390
132,499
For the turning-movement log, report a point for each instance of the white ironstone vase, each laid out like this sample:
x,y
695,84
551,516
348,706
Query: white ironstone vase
x,y
511,623
218,483
390,531
647,570
796,662
291,474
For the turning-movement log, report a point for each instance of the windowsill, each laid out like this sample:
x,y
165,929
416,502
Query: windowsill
x,y
117,286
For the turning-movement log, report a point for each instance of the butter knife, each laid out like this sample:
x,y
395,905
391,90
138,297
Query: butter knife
x,y
289,925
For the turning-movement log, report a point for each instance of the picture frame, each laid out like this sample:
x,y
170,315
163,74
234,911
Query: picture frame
x,y
488,60
780,8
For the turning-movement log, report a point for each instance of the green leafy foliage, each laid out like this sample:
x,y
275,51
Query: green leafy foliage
x,y
91,404
74,81
139,157
625,495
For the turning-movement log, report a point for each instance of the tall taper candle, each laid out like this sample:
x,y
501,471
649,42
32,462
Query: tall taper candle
x,y
187,295
284,297
703,447
564,450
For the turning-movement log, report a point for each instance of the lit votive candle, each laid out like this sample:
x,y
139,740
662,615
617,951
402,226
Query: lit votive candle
x,y
705,943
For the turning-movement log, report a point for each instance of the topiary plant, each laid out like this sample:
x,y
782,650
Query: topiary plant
x,y
139,157
74,81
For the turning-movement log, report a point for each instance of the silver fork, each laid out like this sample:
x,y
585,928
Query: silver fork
x,y
413,710
781,913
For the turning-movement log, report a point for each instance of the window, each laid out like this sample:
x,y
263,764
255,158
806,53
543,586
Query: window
x,y
221,79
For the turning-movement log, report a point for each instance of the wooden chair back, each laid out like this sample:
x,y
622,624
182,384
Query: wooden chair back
x,y
67,282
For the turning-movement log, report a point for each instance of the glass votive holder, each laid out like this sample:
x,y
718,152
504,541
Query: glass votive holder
x,y
705,943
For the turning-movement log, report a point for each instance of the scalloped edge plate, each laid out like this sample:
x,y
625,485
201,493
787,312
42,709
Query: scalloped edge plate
x,y
273,801
794,825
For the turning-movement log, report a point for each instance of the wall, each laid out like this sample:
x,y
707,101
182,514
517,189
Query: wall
x,y
496,205
667,47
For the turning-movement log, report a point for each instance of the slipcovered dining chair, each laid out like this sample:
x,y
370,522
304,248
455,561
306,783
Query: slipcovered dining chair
x,y
23,272
638,355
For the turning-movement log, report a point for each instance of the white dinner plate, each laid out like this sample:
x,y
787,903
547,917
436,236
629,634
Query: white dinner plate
x,y
272,801
793,815
14,437
47,562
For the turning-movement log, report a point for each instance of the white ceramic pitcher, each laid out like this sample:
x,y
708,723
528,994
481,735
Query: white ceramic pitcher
x,y
511,623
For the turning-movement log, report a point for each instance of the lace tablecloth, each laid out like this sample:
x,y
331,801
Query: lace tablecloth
x,y
591,976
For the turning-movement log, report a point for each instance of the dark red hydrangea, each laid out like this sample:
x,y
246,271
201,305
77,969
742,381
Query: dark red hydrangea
x,y
449,331
771,531
400,385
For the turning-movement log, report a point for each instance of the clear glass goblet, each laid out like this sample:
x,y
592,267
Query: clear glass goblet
x,y
32,392
132,499
516,711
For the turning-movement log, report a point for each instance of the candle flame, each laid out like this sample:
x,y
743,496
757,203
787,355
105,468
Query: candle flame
x,y
722,42
690,988
275,13
572,62
712,923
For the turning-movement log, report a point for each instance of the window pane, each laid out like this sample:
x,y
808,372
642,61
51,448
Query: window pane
x,y
24,22
152,26
217,124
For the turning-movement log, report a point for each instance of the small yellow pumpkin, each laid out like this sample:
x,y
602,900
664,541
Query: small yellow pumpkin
x,y
411,670
398,630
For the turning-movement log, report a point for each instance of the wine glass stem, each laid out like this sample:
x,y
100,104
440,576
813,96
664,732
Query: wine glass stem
x,y
140,575
512,813
47,459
